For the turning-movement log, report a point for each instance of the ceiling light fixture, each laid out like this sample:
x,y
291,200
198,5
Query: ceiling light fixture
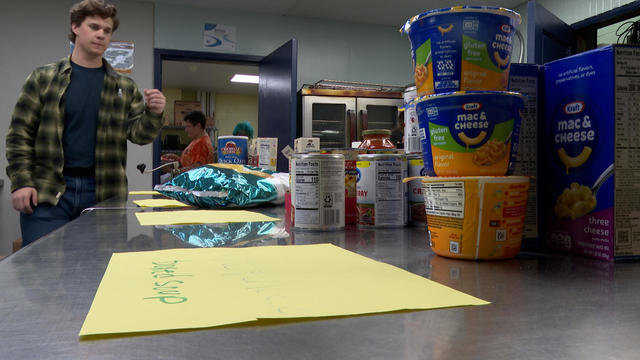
x,y
250,79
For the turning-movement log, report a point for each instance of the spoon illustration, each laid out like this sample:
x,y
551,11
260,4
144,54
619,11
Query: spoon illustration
x,y
603,177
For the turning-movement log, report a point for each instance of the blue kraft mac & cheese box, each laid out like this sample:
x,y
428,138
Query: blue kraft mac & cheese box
x,y
590,153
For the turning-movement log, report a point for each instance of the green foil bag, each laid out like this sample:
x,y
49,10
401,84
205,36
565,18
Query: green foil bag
x,y
217,186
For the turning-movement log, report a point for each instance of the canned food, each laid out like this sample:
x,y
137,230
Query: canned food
x,y
412,143
417,214
381,194
317,191
350,175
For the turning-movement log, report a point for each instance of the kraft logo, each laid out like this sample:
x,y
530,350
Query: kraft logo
x,y
471,106
506,28
423,172
574,107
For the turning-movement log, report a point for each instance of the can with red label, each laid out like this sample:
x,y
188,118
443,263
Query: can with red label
x,y
381,194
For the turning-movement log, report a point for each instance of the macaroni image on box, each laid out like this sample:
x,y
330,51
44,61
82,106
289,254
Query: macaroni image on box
x,y
476,217
591,150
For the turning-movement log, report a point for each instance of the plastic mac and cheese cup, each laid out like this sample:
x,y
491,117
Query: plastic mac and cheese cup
x,y
462,48
470,133
476,217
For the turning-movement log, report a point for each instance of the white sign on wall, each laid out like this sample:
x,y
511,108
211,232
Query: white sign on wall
x,y
220,37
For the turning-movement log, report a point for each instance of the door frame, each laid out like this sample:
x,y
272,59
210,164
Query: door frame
x,y
159,55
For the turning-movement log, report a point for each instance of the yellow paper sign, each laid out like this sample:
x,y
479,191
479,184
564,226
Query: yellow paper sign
x,y
200,217
159,203
144,192
196,288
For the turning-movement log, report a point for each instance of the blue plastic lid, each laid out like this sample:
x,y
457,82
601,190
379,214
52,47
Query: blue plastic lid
x,y
406,28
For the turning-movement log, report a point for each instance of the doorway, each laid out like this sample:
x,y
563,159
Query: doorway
x,y
276,89
206,86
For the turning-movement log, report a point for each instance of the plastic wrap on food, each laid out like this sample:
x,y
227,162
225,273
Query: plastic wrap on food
x,y
218,186
230,235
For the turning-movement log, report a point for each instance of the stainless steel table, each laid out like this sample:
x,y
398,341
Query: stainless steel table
x,y
544,306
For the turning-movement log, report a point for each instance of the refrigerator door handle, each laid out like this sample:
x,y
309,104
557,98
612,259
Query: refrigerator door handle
x,y
363,123
353,127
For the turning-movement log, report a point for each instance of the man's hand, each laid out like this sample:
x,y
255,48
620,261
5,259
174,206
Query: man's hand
x,y
23,198
155,100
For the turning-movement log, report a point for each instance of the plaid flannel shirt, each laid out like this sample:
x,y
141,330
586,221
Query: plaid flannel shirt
x,y
34,143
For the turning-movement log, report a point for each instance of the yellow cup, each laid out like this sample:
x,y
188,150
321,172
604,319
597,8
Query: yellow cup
x,y
476,217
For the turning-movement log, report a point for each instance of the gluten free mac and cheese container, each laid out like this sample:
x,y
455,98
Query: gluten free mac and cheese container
x,y
470,133
462,48
476,217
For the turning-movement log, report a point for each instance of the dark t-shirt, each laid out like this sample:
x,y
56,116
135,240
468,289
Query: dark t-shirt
x,y
81,106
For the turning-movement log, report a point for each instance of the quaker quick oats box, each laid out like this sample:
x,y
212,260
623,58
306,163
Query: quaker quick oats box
x,y
590,151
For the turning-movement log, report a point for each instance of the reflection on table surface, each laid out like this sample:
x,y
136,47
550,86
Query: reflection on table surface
x,y
544,305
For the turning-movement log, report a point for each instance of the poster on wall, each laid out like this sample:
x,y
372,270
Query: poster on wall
x,y
219,37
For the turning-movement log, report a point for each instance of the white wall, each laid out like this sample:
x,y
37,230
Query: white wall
x,y
326,49
33,33
232,109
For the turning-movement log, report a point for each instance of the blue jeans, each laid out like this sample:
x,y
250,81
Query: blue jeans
x,y
79,195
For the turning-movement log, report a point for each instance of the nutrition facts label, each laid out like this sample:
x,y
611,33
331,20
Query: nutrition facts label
x,y
318,192
627,155
527,164
444,198
390,194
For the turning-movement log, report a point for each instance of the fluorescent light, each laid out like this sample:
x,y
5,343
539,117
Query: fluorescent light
x,y
251,79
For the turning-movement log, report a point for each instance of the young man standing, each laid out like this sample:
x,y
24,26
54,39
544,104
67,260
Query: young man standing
x,y
67,142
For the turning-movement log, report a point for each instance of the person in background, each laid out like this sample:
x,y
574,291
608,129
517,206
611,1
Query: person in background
x,y
67,141
199,151
243,129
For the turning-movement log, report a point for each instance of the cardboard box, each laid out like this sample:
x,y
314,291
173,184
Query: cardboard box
x,y
526,79
590,149
182,108
303,144
263,153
